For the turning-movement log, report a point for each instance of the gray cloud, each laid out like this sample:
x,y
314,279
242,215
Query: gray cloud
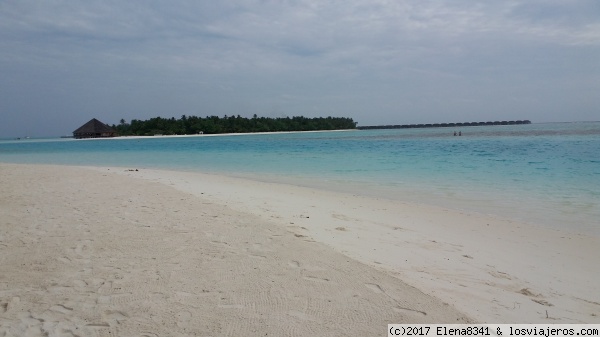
x,y
377,61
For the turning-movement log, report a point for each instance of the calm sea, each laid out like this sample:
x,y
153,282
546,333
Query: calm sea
x,y
548,174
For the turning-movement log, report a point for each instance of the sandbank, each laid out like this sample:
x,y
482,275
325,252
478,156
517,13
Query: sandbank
x,y
88,252
110,251
494,270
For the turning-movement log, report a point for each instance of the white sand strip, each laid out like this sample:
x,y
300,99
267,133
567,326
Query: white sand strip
x,y
216,134
495,270
92,253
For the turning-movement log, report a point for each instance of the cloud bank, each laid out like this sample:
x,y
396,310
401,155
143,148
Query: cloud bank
x,y
379,62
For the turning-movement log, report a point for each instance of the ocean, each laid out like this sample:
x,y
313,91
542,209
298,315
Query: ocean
x,y
544,174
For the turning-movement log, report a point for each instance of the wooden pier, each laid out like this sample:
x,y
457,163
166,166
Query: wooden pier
x,y
442,125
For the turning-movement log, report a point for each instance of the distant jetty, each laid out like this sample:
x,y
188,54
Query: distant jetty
x,y
441,125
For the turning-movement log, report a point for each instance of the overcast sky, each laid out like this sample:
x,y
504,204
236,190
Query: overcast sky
x,y
379,62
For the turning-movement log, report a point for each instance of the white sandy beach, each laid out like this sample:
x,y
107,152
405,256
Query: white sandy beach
x,y
113,252
213,135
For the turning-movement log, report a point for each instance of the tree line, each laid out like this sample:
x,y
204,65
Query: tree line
x,y
229,124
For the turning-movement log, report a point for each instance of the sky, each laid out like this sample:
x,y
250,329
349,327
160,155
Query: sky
x,y
376,61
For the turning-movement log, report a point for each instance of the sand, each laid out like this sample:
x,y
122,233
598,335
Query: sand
x,y
114,252
90,253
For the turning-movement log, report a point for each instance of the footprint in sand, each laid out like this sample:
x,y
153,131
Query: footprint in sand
x,y
114,316
294,264
341,217
98,325
316,279
535,297
499,274
408,310
527,292
148,334
374,288
542,302
61,309
65,260
215,242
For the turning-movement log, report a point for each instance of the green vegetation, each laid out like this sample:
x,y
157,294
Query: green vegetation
x,y
232,124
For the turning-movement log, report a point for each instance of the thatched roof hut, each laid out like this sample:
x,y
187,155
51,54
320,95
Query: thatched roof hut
x,y
94,129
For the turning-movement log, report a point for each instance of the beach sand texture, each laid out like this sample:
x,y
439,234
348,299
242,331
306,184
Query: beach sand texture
x,y
87,252
493,269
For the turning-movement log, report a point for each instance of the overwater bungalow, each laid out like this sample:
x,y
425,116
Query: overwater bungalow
x,y
94,129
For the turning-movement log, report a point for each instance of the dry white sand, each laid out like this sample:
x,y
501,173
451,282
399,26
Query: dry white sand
x,y
495,270
91,253
214,135
112,252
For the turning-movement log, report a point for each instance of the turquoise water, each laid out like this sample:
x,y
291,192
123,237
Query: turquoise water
x,y
548,174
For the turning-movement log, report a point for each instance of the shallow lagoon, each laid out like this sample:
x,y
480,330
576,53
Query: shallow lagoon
x,y
548,174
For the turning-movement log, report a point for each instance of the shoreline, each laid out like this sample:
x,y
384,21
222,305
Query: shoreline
x,y
217,134
65,138
493,270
